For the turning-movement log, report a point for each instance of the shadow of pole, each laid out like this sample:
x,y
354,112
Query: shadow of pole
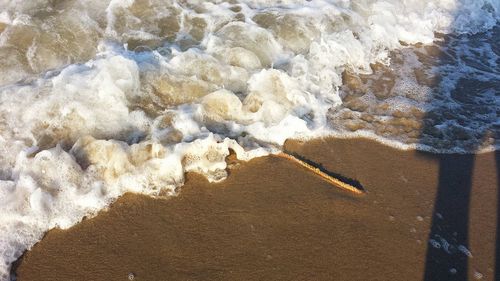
x,y
465,117
447,253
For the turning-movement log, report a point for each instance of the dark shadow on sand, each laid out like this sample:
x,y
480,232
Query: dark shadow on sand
x,y
448,242
450,220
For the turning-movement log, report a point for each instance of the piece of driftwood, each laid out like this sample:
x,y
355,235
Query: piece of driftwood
x,y
329,178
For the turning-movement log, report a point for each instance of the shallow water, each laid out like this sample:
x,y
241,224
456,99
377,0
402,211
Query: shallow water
x,y
99,98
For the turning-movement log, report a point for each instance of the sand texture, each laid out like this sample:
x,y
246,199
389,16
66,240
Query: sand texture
x,y
274,220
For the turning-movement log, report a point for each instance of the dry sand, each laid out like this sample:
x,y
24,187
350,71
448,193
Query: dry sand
x,y
273,220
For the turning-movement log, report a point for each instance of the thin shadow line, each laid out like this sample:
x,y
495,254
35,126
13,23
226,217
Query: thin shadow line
x,y
497,248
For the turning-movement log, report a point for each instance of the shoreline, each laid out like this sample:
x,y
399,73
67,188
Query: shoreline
x,y
272,219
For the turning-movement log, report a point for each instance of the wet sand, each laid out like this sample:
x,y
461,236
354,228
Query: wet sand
x,y
273,220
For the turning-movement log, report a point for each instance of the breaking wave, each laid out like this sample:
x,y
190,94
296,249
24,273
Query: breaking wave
x,y
99,98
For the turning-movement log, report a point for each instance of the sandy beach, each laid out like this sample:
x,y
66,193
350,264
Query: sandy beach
x,y
118,119
274,220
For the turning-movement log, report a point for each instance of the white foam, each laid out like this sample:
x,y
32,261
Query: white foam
x,y
205,77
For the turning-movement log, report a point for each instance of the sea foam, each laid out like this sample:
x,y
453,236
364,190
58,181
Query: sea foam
x,y
99,98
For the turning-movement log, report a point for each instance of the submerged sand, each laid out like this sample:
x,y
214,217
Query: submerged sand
x,y
273,220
